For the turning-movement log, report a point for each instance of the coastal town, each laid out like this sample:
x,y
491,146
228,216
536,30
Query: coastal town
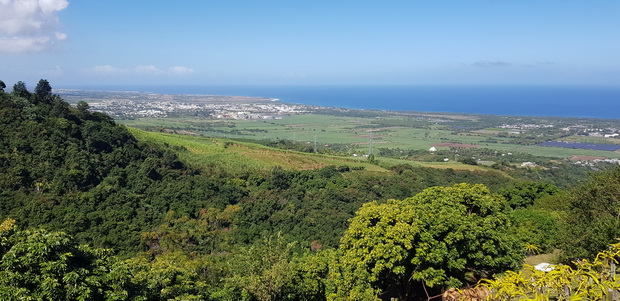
x,y
131,105
597,138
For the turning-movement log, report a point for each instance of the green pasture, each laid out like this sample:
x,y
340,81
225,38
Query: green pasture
x,y
241,157
360,134
238,157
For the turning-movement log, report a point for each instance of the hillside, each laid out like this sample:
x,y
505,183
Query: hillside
x,y
69,169
73,170
234,155
207,218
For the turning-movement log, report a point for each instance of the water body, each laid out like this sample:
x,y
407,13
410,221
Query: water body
x,y
579,145
568,101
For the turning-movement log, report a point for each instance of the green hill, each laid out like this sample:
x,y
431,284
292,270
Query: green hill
x,y
242,157
237,157
68,169
214,219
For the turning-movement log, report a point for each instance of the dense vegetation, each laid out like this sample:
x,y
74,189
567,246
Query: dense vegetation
x,y
72,170
162,229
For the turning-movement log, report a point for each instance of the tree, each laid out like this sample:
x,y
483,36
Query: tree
x,y
469,161
171,276
263,270
311,275
592,216
20,90
2,86
588,280
41,265
523,195
82,108
441,237
374,251
43,91
535,228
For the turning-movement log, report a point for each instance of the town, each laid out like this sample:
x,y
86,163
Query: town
x,y
130,105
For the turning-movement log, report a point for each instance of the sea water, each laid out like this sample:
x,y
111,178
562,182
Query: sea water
x,y
567,101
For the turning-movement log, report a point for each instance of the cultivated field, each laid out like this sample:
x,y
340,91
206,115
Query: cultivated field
x,y
364,135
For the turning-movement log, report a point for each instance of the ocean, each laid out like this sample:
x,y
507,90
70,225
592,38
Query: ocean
x,y
559,101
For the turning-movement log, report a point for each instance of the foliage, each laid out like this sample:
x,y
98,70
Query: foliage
x,y
170,276
79,172
589,280
20,90
537,229
43,265
592,219
443,236
523,195
311,275
204,234
263,270
469,161
207,230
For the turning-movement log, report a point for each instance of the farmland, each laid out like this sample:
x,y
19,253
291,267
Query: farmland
x,y
581,145
359,133
353,135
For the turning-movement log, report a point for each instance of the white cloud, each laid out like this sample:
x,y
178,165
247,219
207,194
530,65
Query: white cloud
x,y
29,25
139,70
181,70
105,70
150,69
54,72
23,44
61,36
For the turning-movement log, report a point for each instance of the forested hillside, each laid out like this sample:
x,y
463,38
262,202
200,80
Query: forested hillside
x,y
179,230
66,168
72,170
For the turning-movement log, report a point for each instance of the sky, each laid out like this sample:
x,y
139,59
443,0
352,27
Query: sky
x,y
206,42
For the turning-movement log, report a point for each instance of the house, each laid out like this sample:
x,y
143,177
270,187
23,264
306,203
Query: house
x,y
528,164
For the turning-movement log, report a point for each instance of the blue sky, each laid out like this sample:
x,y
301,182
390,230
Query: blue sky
x,y
204,42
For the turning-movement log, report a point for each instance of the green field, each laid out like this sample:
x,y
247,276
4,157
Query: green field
x,y
233,156
359,135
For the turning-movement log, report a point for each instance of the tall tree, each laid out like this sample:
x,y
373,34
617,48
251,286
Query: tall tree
x,y
441,237
2,86
43,91
19,89
82,108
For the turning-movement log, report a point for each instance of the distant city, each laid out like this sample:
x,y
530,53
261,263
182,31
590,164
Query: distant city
x,y
131,105
547,132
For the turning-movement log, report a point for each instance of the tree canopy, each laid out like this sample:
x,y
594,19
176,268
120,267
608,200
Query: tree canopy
x,y
19,89
200,233
43,91
592,219
43,265
441,237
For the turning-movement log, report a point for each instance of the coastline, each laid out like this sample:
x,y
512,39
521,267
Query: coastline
x,y
540,101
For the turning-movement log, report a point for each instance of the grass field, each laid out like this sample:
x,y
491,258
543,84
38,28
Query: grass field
x,y
359,135
548,257
242,157
235,157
